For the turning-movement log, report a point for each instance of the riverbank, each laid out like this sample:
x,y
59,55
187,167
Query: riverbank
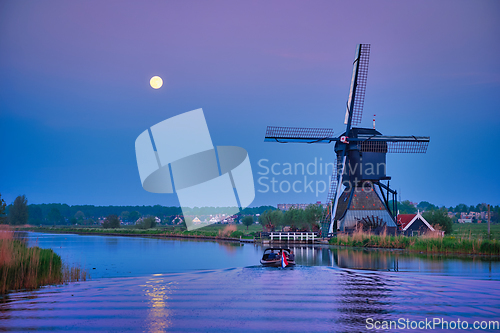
x,y
26,268
449,245
423,244
221,235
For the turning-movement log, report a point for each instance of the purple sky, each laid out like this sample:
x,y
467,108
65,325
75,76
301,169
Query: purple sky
x,y
75,94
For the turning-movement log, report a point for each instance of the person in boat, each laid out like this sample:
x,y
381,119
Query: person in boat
x,y
272,255
291,256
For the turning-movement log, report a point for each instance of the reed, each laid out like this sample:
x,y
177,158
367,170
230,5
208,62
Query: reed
x,y
429,243
25,268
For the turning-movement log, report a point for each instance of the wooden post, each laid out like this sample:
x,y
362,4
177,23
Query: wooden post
x,y
489,236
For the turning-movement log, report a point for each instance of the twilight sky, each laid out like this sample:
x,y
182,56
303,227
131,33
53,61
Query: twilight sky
x,y
75,94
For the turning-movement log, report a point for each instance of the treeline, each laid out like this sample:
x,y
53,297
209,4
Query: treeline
x,y
20,212
406,207
294,218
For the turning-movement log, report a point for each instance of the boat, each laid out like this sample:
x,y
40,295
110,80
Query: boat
x,y
272,257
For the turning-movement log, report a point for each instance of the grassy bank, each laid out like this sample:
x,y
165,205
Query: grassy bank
x,y
476,230
23,267
425,244
212,231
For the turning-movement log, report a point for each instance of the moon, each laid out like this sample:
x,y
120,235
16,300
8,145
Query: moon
x,y
156,82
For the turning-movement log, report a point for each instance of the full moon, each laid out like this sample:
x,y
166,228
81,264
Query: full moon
x,y
156,82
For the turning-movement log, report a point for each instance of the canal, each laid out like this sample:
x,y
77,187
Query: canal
x,y
155,285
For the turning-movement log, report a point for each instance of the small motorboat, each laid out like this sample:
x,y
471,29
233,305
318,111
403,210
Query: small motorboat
x,y
272,257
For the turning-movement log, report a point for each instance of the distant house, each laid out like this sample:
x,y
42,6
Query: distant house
x,y
413,224
285,207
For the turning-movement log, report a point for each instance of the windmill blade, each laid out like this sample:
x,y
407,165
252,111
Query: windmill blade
x,y
395,144
337,190
356,100
326,218
333,182
299,135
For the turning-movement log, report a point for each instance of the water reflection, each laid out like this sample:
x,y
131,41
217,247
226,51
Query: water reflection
x,y
231,247
364,259
346,258
112,241
159,315
362,296
396,260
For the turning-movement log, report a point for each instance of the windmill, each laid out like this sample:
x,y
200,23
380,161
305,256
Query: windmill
x,y
353,199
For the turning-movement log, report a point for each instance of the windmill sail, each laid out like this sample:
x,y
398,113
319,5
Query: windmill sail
x,y
356,100
327,213
337,191
395,144
299,134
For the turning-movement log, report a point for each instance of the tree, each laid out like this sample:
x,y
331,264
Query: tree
x,y
3,205
125,215
54,216
482,207
426,206
35,214
439,217
79,215
134,216
271,218
294,218
18,212
312,214
111,221
406,207
147,223
461,208
248,220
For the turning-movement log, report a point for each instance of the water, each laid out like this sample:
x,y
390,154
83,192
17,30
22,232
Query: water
x,y
156,285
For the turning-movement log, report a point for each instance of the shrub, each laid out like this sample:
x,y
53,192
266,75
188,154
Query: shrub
x,y
147,223
237,234
111,221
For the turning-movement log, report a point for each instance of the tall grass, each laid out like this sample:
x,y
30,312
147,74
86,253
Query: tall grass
x,y
23,267
429,243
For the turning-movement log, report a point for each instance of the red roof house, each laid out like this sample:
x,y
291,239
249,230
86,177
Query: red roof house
x,y
411,224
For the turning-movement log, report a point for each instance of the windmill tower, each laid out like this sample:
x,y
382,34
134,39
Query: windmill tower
x,y
357,198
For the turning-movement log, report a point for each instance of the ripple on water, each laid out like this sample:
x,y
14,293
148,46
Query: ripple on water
x,y
249,299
